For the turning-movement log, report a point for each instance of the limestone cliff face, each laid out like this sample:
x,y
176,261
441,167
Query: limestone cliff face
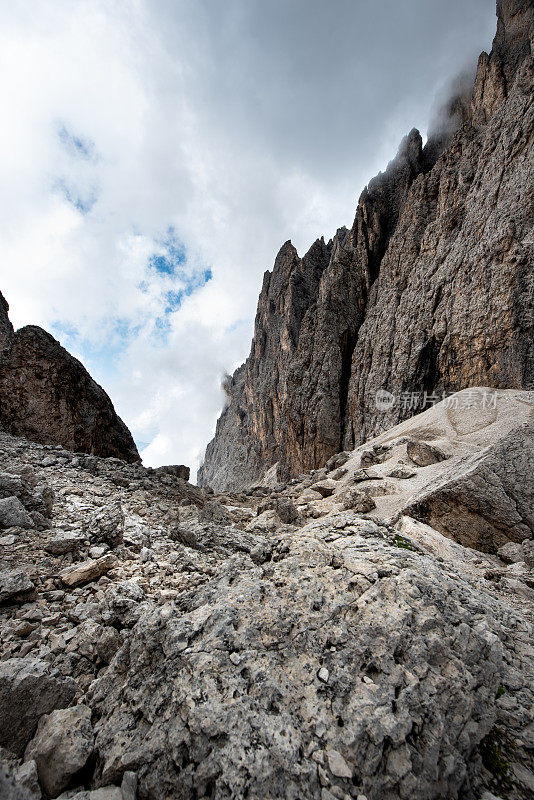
x,y
432,289
48,396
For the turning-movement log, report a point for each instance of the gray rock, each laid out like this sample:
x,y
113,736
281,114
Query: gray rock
x,y
106,525
284,508
26,777
129,786
528,551
325,488
10,485
415,636
15,587
486,500
29,688
104,793
61,747
13,514
510,553
10,787
47,395
357,500
64,542
87,571
423,454
213,511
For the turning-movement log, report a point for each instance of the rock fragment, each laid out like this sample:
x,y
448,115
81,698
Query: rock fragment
x,y
61,746
87,571
29,688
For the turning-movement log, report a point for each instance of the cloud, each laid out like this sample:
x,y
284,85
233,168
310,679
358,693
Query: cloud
x,y
156,153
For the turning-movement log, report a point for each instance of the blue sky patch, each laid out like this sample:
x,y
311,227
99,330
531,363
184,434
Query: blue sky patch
x,y
173,256
76,145
83,204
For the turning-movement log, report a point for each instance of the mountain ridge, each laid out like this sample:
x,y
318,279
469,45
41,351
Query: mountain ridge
x,y
389,305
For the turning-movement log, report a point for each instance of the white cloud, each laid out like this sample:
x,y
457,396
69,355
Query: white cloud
x,y
238,125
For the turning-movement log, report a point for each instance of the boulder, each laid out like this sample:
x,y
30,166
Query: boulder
x,y
29,688
213,511
358,501
13,514
510,553
11,787
61,747
324,488
15,587
423,454
106,525
175,470
87,571
64,542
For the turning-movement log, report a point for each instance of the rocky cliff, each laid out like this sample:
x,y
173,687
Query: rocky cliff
x,y
48,396
431,291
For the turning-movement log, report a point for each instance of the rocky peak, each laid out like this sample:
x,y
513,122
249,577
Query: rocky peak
x,y
48,396
6,329
430,291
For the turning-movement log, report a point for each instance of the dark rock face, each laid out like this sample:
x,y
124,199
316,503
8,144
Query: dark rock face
x,y
432,289
48,396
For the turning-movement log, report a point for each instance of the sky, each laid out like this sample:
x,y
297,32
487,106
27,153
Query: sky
x,y
156,154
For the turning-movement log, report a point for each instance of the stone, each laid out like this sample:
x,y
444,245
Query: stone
x,y
61,746
29,688
129,786
13,514
15,587
510,553
104,793
213,511
10,786
423,454
323,675
483,499
106,525
325,488
337,764
176,470
26,778
266,522
358,501
416,301
10,485
87,571
108,643
64,542
48,396
319,593
528,551
402,472
284,508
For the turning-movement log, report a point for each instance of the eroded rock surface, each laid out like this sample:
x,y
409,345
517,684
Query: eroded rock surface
x,y
430,291
270,643
48,396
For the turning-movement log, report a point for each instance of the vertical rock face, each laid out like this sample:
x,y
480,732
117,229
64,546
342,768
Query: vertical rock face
x,y
432,289
48,396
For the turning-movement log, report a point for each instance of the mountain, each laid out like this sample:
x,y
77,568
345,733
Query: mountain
x,y
48,396
431,291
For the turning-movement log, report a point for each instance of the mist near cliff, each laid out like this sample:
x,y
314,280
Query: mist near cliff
x,y
155,155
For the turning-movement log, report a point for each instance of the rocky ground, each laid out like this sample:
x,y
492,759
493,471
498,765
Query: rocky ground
x,y
290,641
